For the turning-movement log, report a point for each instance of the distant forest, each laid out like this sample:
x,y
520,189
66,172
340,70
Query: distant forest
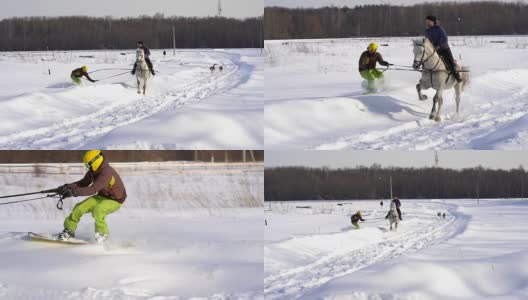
x,y
84,33
298,183
471,18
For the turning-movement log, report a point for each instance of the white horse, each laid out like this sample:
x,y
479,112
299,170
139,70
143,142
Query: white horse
x,y
436,76
393,216
142,71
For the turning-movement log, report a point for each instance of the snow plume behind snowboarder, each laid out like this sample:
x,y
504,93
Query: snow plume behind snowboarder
x,y
106,190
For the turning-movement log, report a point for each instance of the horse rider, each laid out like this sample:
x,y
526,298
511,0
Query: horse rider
x,y
146,50
397,202
356,218
438,37
367,65
78,73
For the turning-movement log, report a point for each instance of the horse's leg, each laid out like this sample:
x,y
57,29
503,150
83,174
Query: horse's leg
x,y
433,110
144,86
440,100
458,88
421,96
138,85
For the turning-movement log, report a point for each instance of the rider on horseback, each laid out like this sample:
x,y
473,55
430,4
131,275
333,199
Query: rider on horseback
x,y
438,37
397,202
367,65
146,50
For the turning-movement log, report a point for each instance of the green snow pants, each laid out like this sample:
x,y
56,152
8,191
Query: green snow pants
x,y
99,206
77,80
356,225
370,76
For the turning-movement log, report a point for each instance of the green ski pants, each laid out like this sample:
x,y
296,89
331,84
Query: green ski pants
x,y
370,76
356,225
99,206
77,80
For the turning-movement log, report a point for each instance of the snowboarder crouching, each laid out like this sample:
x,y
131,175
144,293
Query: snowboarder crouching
x,y
367,65
107,194
78,73
356,218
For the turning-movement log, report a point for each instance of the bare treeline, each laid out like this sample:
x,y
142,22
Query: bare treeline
x,y
298,183
75,156
83,33
473,18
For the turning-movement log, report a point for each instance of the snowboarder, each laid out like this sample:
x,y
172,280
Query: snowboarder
x,y
164,53
107,194
398,204
78,73
443,215
438,37
141,45
381,204
356,218
367,65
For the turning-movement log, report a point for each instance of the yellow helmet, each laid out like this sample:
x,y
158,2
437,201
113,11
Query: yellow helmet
x,y
373,47
93,159
359,213
85,69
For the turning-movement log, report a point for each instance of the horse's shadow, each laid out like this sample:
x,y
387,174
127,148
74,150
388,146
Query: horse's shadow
x,y
388,105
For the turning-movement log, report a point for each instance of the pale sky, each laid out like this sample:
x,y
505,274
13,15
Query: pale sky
x,y
350,158
133,8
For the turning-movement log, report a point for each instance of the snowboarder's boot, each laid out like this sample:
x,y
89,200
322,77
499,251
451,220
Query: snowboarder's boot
x,y
65,235
100,237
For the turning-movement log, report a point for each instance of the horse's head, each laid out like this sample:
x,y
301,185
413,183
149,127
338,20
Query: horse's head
x,y
140,55
423,50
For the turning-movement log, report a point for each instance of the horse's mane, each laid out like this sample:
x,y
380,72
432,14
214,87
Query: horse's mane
x,y
423,42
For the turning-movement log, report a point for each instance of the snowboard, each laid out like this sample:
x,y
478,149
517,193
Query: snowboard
x,y
53,239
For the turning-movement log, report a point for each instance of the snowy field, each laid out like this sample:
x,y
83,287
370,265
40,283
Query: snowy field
x,y
173,238
186,106
479,251
314,97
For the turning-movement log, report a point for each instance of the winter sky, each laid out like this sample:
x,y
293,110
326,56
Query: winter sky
x,y
127,8
350,158
352,3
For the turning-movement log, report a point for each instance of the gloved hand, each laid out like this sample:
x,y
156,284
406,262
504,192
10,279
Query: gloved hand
x,y
65,191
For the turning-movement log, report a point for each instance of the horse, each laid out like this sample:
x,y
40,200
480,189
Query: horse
x,y
142,71
393,216
435,75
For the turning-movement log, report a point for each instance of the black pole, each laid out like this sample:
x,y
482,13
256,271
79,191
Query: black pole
x,y
27,194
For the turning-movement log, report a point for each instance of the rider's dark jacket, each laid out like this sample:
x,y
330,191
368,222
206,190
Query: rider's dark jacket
x,y
438,37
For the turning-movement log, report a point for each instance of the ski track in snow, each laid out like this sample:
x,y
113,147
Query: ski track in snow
x,y
76,132
295,282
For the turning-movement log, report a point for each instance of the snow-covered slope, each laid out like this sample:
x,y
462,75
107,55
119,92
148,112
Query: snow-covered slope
x,y
353,3
476,252
319,81
42,111
173,238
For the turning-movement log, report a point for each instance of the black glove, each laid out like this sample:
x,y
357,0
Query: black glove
x,y
65,191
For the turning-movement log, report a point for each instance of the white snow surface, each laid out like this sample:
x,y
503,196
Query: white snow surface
x,y
173,238
479,251
186,105
353,3
315,97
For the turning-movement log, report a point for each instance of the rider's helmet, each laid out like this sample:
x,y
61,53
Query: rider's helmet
x,y
372,47
85,69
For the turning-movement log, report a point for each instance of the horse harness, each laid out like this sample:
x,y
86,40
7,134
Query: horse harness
x,y
422,62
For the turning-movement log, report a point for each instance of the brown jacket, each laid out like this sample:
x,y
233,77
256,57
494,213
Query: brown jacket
x,y
367,61
103,182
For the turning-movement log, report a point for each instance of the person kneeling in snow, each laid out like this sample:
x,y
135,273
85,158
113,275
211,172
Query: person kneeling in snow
x,y
107,188
78,73
367,65
356,218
